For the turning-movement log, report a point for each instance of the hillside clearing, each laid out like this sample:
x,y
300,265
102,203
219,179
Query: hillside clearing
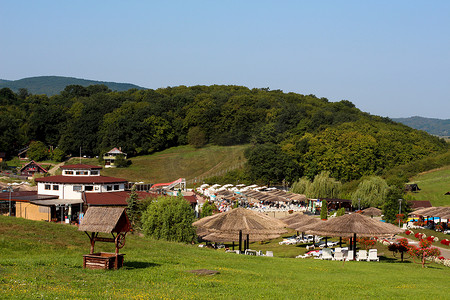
x,y
433,184
182,161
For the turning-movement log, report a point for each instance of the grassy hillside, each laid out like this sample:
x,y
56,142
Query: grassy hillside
x,y
182,161
52,85
433,184
44,260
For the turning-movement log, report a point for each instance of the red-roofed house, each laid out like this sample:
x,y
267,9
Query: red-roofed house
x,y
32,168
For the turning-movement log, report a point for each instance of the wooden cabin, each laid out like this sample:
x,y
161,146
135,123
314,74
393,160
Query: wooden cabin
x,y
32,168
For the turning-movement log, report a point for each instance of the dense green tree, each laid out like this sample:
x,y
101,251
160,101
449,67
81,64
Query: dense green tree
x,y
58,155
38,151
300,186
371,192
133,212
207,209
323,186
268,163
391,206
169,218
196,137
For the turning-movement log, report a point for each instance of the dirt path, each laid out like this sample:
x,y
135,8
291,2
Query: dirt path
x,y
53,169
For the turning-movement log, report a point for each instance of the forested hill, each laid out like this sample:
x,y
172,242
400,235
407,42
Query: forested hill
x,y
433,126
52,85
292,135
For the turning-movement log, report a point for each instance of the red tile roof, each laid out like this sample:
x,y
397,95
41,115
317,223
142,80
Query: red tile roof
x,y
420,203
113,198
81,166
80,179
25,196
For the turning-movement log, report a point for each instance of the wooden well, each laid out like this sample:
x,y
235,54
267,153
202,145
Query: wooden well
x,y
111,220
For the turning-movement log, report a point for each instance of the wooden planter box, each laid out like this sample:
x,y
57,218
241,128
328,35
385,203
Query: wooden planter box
x,y
102,260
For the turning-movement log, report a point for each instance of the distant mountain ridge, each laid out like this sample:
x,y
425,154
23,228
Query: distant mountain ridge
x,y
437,127
52,85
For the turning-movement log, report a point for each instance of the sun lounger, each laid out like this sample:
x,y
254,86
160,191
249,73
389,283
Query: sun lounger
x,y
350,255
362,255
326,254
338,255
250,252
269,253
373,255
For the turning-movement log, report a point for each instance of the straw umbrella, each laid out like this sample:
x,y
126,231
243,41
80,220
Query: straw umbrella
x,y
372,211
231,225
353,225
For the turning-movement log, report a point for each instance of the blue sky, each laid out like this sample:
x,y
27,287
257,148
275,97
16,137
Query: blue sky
x,y
390,58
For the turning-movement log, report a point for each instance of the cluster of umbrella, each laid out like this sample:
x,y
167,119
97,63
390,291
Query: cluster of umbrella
x,y
231,226
438,212
269,196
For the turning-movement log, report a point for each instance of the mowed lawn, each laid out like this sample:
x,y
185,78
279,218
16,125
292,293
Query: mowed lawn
x,y
44,260
183,161
433,184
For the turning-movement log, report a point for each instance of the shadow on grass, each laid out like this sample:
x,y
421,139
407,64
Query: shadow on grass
x,y
139,265
394,260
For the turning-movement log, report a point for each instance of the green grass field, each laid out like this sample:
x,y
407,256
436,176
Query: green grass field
x,y
44,260
183,161
433,184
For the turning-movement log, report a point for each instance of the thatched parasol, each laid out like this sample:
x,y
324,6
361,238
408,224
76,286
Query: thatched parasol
x,y
296,218
348,225
372,211
432,212
227,226
353,225
306,224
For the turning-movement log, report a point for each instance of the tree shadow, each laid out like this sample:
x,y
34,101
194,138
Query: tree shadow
x,y
139,265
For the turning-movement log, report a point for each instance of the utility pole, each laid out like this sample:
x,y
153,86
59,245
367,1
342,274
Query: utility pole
x,y
399,211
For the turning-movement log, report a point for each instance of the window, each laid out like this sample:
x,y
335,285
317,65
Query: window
x,y
89,188
78,173
55,187
94,172
47,187
77,188
69,172
116,187
109,187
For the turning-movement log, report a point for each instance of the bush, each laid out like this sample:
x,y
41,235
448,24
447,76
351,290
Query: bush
x,y
169,218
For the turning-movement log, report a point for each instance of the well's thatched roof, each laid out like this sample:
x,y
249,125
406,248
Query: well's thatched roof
x,y
105,219
372,211
226,226
358,224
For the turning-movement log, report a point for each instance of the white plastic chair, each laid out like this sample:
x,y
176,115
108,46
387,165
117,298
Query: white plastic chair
x,y
362,255
373,255
338,255
350,255
269,253
326,254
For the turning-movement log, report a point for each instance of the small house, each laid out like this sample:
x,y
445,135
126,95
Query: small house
x,y
110,157
32,168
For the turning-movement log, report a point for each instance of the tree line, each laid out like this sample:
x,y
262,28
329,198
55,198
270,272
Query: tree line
x,y
290,135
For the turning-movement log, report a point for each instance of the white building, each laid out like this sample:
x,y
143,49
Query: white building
x,y
76,179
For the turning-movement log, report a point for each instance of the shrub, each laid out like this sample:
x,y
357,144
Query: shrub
x,y
169,218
